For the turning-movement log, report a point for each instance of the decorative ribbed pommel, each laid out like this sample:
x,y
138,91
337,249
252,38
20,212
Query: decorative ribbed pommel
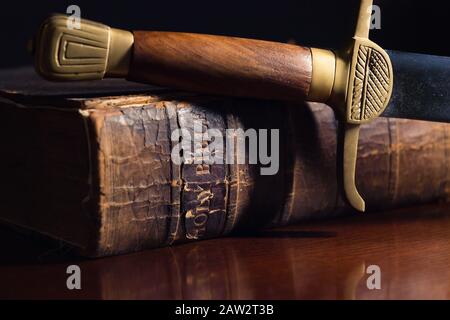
x,y
87,51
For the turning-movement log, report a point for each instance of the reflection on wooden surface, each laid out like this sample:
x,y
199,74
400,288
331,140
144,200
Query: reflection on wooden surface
x,y
321,260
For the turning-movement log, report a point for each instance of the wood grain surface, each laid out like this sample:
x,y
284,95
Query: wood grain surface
x,y
322,260
221,65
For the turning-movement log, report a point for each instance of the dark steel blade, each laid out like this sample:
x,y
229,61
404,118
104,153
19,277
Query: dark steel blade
x,y
421,87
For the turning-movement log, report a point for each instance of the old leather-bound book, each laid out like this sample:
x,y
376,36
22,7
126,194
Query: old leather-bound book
x,y
90,164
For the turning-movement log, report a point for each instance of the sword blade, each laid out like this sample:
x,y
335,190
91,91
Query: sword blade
x,y
421,87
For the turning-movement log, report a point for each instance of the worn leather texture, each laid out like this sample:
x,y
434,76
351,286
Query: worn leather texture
x,y
96,173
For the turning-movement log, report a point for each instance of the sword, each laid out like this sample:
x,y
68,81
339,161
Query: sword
x,y
357,81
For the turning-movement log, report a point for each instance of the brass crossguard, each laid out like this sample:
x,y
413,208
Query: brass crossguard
x,y
359,88
356,82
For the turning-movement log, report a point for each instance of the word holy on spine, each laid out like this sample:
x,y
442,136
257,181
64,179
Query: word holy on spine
x,y
210,146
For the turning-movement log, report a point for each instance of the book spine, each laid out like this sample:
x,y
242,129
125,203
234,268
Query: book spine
x,y
147,200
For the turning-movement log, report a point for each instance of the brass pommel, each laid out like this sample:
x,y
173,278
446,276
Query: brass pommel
x,y
88,51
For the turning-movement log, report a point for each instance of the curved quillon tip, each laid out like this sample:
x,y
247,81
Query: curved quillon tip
x,y
351,137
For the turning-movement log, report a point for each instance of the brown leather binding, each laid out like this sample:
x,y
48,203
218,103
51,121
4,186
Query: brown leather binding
x,y
96,173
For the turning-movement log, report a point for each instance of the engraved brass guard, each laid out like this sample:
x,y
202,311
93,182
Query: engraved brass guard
x,y
362,82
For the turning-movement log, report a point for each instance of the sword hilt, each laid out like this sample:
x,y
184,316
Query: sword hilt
x,y
195,62
356,82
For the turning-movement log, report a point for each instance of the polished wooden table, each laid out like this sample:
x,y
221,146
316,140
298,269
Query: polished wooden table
x,y
318,260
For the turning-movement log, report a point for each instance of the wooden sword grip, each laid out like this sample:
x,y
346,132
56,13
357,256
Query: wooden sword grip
x,y
221,65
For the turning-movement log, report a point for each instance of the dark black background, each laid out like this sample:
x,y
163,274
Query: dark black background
x,y
419,26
